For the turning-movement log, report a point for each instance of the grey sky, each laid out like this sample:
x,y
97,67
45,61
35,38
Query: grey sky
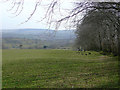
x,y
8,21
11,22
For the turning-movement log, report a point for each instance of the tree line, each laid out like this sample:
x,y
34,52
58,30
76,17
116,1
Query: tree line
x,y
99,29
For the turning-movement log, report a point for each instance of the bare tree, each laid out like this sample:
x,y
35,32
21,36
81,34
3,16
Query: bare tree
x,y
99,25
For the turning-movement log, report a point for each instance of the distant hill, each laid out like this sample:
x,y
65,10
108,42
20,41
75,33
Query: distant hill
x,y
43,34
37,38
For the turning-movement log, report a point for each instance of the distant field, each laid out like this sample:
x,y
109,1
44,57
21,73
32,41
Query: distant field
x,y
58,69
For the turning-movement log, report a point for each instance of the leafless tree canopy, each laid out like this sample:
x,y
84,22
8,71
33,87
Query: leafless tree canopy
x,y
100,28
74,14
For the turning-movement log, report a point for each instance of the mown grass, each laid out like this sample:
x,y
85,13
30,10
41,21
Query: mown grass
x,y
58,69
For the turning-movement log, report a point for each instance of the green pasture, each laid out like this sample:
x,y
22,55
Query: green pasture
x,y
58,69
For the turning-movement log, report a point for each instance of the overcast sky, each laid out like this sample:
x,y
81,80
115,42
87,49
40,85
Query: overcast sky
x,y
8,21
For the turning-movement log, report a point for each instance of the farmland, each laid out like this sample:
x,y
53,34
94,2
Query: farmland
x,y
30,68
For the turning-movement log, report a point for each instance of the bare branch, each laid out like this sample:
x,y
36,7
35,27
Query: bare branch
x,y
31,13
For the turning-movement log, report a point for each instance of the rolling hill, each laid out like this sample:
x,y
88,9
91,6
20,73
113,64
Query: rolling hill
x,y
37,38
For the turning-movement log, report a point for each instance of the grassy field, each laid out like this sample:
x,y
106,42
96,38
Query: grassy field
x,y
58,69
